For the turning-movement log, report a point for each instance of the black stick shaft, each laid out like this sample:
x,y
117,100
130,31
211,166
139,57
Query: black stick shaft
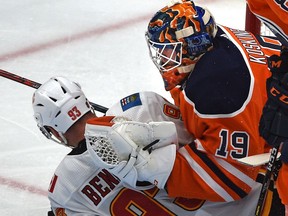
x,y
266,181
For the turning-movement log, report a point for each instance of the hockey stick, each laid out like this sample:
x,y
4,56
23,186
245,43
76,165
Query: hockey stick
x,y
36,85
266,181
273,156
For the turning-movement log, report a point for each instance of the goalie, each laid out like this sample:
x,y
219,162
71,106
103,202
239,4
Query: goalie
x,y
217,76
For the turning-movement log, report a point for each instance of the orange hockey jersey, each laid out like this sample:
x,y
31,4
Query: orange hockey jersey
x,y
221,104
273,13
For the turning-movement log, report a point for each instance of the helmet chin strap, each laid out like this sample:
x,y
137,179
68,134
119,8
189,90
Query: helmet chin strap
x,y
50,136
64,140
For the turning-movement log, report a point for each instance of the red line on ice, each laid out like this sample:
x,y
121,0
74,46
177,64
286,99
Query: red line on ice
x,y
22,186
76,37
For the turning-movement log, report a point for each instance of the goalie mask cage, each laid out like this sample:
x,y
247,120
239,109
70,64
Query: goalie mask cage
x,y
254,25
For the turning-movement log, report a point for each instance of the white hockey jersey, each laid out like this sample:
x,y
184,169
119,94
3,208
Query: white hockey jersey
x,y
80,188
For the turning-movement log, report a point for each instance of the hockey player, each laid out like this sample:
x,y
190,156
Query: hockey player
x,y
80,187
274,14
217,76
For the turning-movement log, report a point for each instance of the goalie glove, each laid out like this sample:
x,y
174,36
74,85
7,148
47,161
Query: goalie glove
x,y
150,135
278,65
273,125
111,148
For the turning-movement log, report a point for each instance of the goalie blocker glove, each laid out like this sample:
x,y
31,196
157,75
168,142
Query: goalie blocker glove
x,y
123,148
273,125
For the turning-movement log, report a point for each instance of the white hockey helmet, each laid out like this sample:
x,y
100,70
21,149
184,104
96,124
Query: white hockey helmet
x,y
59,103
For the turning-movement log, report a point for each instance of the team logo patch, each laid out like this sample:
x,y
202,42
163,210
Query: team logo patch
x,y
170,111
130,101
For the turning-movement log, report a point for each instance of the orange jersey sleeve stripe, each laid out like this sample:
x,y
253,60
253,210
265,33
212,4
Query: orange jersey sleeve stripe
x,y
219,172
191,184
216,179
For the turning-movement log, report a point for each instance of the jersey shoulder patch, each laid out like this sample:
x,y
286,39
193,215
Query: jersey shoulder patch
x,y
130,101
